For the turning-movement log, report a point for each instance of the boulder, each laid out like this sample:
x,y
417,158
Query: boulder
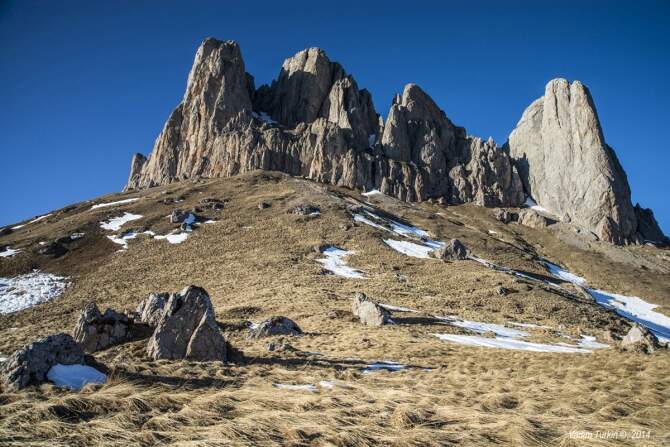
x,y
505,216
640,339
454,250
95,331
178,216
533,219
151,309
566,166
304,209
275,326
369,312
30,364
187,329
263,205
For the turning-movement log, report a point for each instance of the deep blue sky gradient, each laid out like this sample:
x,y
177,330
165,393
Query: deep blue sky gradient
x,y
84,85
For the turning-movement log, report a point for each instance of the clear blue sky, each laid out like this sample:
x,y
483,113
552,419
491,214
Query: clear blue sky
x,y
84,85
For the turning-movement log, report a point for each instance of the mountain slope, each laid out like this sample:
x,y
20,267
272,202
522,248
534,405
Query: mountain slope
x,y
256,263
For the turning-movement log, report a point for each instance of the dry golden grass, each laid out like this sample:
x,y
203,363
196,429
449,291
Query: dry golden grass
x,y
257,263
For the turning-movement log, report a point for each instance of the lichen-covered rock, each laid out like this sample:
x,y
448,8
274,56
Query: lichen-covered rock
x,y
567,167
30,364
187,329
454,250
95,331
369,312
275,326
151,309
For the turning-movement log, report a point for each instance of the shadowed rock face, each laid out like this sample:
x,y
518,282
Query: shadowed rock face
x,y
314,121
567,167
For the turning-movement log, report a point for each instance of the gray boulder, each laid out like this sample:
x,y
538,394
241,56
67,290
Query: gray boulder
x,y
95,331
275,326
533,219
369,312
151,309
454,250
304,209
640,339
566,166
187,329
30,364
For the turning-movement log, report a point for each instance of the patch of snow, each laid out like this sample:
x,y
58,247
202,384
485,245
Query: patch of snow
x,y
482,328
37,219
335,263
3,358
563,274
263,117
362,219
372,192
123,239
530,203
120,202
75,236
383,366
330,384
18,226
492,232
210,221
9,252
398,308
116,223
509,343
528,325
75,377
589,342
635,309
177,238
24,291
307,387
410,248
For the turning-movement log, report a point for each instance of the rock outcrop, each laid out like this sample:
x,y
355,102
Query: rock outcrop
x,y
275,326
369,312
640,339
187,329
566,166
151,309
454,250
314,121
30,364
95,331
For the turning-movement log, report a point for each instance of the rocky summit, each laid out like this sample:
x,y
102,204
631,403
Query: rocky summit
x,y
314,121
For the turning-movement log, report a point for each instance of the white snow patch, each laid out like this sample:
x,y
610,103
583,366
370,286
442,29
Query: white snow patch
x,y
372,192
362,219
509,343
384,366
9,252
37,219
528,325
589,342
335,263
3,358
482,328
530,203
75,377
330,384
210,221
563,274
75,236
635,309
116,223
120,202
24,291
123,239
306,387
398,308
177,238
18,226
410,248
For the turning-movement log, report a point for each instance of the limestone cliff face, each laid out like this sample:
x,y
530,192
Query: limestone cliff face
x,y
314,121
566,166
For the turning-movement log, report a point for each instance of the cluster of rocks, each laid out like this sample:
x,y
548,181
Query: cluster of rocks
x,y
95,331
305,209
313,121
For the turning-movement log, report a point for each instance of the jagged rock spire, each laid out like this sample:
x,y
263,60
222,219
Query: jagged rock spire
x,y
567,167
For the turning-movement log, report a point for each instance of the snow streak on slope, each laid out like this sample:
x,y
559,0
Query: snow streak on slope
x,y
334,262
116,223
120,202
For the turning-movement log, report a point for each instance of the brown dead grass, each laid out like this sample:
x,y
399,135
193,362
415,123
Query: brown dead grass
x,y
257,263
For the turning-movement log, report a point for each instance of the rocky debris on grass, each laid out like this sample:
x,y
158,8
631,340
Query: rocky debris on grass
x,y
533,219
172,200
30,364
305,209
639,339
6,231
451,251
502,291
52,249
214,204
263,205
151,309
95,331
369,312
505,216
187,329
277,325
178,216
279,347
